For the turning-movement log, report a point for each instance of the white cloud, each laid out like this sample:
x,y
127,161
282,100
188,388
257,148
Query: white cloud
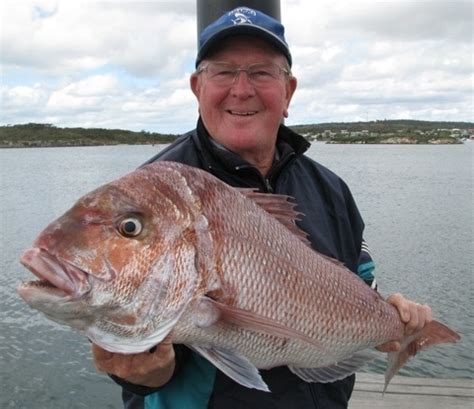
x,y
144,38
126,64
23,95
409,20
21,103
89,94
390,58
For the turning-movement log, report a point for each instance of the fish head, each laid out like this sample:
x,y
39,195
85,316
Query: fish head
x,y
106,266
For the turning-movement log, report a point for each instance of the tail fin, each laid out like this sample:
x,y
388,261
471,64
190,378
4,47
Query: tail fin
x,y
433,333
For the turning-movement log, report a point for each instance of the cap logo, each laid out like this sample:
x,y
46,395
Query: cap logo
x,y
241,15
240,18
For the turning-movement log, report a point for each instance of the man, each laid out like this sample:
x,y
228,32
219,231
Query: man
x,y
244,87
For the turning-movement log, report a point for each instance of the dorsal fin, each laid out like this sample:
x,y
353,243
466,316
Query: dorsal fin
x,y
280,207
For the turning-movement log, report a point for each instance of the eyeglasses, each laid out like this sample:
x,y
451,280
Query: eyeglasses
x,y
260,74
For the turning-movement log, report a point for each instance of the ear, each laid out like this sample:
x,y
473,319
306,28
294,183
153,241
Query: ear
x,y
290,90
195,83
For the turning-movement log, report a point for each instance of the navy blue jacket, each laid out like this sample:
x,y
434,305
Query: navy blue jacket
x,y
335,228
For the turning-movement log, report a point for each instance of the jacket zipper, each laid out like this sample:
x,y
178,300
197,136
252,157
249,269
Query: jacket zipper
x,y
268,186
277,170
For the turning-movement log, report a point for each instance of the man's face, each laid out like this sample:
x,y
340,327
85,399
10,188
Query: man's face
x,y
241,116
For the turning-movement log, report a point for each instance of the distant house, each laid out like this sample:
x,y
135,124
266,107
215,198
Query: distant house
x,y
328,134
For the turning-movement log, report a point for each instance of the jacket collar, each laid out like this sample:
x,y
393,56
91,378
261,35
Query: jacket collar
x,y
288,143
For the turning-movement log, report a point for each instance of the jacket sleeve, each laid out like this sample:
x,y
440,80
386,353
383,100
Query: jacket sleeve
x,y
181,356
366,266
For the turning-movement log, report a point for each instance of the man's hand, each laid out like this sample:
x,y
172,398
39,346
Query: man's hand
x,y
414,315
152,369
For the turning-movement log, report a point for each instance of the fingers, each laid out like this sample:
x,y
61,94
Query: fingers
x,y
145,368
147,362
420,315
123,366
414,315
399,302
101,358
415,321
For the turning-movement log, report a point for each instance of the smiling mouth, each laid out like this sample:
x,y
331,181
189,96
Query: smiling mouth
x,y
242,113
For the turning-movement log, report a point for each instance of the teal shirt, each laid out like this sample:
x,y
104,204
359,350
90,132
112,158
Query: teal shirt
x,y
191,388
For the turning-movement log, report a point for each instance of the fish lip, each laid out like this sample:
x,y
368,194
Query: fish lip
x,y
61,276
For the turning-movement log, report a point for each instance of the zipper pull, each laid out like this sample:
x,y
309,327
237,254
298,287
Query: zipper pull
x,y
268,186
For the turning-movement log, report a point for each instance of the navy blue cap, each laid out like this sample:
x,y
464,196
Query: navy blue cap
x,y
243,21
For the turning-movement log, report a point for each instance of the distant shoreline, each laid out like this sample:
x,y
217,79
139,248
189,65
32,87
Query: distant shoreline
x,y
402,141
386,132
34,135
32,146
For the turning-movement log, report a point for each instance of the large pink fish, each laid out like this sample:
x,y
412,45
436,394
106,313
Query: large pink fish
x,y
170,249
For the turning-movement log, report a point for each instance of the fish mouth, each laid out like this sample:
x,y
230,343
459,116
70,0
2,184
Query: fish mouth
x,y
57,277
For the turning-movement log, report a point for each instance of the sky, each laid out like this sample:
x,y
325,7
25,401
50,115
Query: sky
x,y
126,64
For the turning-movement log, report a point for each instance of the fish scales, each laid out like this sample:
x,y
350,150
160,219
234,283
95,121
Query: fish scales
x,y
264,246
258,281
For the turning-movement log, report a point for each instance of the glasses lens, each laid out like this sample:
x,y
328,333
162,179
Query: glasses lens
x,y
258,74
263,73
221,73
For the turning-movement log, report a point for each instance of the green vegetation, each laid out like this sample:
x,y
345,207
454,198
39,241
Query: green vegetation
x,y
387,131
47,135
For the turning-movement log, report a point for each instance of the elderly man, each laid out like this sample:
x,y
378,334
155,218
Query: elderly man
x,y
244,86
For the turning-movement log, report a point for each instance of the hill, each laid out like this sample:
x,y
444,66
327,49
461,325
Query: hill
x,y
47,135
386,131
400,131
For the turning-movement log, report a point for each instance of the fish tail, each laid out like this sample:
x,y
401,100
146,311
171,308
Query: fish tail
x,y
432,334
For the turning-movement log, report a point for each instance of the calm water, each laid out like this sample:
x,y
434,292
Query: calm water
x,y
417,202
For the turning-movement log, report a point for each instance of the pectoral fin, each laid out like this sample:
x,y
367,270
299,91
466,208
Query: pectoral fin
x,y
236,367
210,312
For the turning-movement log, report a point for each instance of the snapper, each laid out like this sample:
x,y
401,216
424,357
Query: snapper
x,y
171,250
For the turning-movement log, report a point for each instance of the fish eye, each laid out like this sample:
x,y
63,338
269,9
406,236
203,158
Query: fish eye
x,y
130,227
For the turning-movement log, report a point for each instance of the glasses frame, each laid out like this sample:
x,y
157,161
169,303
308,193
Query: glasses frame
x,y
238,69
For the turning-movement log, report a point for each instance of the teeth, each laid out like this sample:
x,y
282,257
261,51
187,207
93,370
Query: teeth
x,y
47,268
243,113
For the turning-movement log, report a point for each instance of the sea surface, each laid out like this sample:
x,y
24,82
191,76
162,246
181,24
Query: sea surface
x,y
417,202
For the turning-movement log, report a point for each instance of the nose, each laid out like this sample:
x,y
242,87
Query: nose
x,y
242,86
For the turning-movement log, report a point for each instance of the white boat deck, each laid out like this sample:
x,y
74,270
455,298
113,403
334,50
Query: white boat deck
x,y
413,393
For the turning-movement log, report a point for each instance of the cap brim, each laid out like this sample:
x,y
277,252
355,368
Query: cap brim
x,y
243,30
